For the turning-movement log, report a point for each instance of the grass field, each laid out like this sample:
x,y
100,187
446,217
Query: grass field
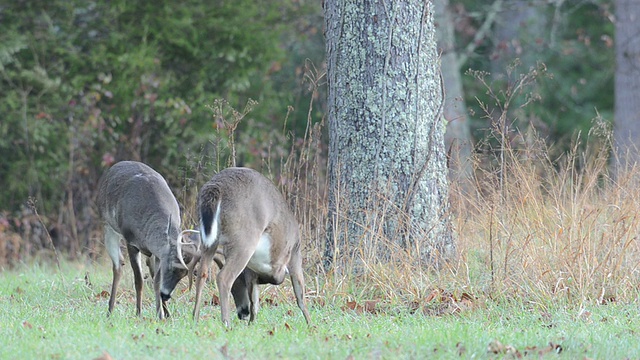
x,y
51,314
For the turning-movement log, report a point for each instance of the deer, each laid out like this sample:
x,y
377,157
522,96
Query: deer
x,y
242,212
136,204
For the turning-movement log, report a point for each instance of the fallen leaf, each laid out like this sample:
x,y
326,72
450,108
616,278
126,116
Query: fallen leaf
x,y
413,307
224,350
27,325
434,293
287,326
496,347
513,352
608,300
550,348
105,356
215,300
353,306
269,301
467,297
370,306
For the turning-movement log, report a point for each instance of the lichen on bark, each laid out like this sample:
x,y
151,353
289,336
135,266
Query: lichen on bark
x,y
387,166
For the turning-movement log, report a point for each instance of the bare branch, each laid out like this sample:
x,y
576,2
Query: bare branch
x,y
496,7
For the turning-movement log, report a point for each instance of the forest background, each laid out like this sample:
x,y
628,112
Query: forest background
x,y
181,86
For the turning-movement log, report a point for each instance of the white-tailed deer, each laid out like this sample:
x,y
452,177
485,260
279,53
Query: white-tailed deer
x,y
135,203
242,212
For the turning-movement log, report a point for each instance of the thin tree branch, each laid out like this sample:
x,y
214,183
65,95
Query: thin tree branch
x,y
496,7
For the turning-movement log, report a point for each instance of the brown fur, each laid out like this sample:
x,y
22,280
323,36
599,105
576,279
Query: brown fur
x,y
250,205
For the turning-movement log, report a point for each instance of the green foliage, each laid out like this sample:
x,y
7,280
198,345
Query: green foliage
x,y
576,48
83,84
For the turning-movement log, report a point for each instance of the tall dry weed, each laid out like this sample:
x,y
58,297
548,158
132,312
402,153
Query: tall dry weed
x,y
535,225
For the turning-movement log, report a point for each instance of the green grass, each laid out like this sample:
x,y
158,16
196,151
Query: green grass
x,y
48,314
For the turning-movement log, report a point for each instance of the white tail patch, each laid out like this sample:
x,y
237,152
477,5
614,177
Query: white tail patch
x,y
260,262
208,241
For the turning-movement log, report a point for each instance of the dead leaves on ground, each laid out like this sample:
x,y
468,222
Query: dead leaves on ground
x,y
105,356
369,306
442,302
28,326
509,351
439,302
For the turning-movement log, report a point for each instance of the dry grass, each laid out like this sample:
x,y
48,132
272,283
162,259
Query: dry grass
x,y
532,226
537,226
557,230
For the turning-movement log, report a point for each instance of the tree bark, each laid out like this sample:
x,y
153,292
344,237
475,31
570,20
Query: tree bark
x,y
387,165
457,138
518,33
627,83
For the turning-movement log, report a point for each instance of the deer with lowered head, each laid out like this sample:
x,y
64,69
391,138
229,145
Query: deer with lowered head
x,y
242,212
136,204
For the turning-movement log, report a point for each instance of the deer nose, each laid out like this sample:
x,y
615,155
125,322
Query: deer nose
x,y
165,296
243,312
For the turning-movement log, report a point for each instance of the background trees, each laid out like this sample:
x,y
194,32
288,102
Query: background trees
x,y
627,81
83,84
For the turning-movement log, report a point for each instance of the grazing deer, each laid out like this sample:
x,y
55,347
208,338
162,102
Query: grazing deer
x,y
135,203
242,212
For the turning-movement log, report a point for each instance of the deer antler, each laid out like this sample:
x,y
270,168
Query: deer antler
x,y
195,254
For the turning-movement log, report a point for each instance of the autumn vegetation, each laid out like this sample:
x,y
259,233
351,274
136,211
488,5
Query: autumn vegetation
x,y
546,227
541,239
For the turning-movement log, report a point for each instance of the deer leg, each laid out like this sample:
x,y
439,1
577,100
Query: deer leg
x,y
161,306
117,271
239,291
112,243
235,262
134,258
251,279
297,281
151,264
203,273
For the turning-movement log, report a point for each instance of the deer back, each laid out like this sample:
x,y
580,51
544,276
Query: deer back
x,y
136,201
243,198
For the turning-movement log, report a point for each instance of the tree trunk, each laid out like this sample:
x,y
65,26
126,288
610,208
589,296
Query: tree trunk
x,y
457,138
387,165
627,82
517,34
